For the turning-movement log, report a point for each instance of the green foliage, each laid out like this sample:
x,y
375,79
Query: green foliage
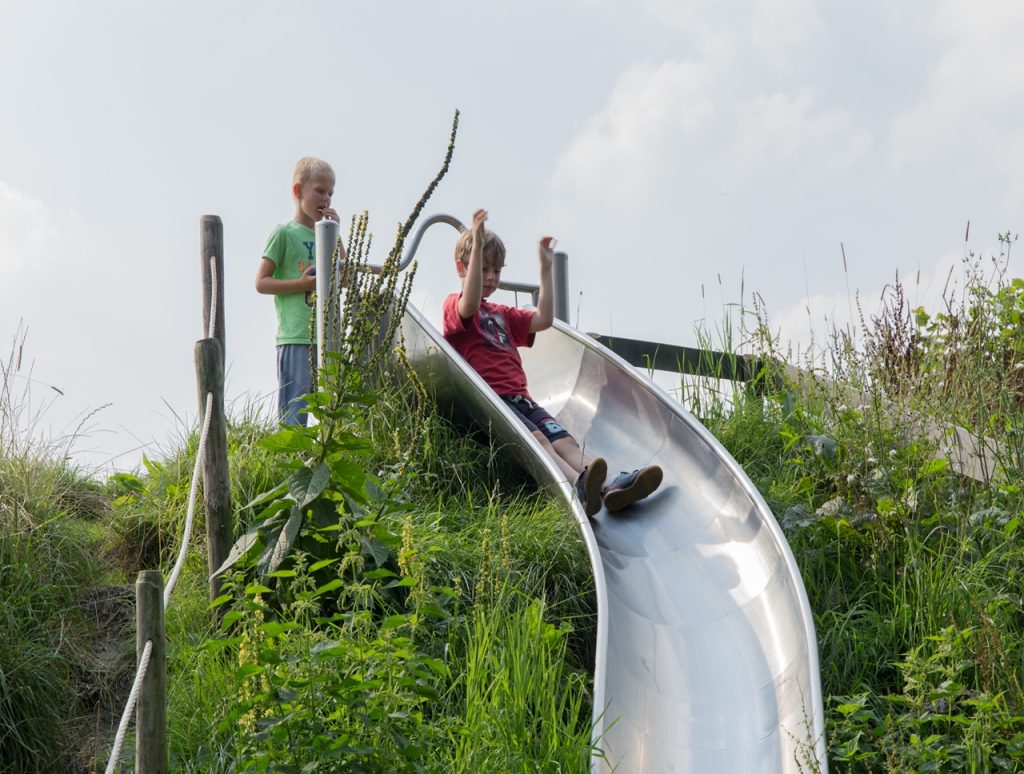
x,y
524,710
44,567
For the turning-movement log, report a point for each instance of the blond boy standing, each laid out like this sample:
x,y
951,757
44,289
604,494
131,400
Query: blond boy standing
x,y
287,272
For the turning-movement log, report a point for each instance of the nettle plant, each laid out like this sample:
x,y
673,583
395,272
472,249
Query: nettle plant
x,y
328,592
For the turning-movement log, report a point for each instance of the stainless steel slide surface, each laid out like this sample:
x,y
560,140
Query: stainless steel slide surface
x,y
706,659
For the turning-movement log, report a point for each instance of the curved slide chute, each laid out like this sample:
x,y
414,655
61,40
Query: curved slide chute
x,y
706,658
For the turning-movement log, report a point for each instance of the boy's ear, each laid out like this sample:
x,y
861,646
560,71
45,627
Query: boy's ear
x,y
460,267
297,190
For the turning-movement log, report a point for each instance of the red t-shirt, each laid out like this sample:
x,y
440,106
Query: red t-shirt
x,y
489,342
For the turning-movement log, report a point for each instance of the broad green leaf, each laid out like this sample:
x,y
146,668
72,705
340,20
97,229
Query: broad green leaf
x,y
321,564
247,670
289,439
329,586
275,628
270,494
281,574
305,485
317,483
377,550
284,543
241,548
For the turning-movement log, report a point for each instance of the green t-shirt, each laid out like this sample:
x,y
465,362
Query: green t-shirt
x,y
291,248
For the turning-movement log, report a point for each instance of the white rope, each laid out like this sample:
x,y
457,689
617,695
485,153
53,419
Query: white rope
x,y
213,297
187,536
129,708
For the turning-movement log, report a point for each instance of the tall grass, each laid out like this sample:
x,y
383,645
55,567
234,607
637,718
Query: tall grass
x,y
47,508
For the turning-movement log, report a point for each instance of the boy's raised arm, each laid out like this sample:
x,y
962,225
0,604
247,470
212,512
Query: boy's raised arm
x,y
545,314
473,282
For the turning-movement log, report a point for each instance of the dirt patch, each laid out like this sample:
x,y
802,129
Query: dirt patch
x,y
106,669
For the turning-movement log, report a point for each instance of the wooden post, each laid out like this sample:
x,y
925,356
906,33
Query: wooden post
x,y
211,243
216,478
151,710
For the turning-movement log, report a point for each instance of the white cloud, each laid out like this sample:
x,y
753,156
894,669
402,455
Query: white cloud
x,y
621,150
23,230
773,32
33,238
969,112
669,123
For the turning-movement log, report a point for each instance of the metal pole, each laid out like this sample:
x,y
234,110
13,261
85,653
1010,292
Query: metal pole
x,y
326,235
151,711
560,280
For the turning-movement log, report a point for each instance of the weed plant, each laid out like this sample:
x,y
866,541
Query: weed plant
x,y
913,570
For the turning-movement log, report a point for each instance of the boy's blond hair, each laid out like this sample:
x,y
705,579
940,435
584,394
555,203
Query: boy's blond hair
x,y
309,167
493,252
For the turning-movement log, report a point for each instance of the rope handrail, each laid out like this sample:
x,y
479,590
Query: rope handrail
x,y
133,696
129,709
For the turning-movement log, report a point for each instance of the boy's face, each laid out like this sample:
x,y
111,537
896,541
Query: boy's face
x,y
490,274
315,196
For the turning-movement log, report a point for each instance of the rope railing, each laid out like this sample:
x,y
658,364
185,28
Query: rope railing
x,y
172,580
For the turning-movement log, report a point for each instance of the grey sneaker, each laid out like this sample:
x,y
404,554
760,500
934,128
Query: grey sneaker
x,y
589,484
627,488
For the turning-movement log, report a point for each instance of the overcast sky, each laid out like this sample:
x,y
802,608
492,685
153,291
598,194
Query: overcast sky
x,y
680,150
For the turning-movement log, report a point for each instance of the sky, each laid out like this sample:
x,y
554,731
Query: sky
x,y
687,154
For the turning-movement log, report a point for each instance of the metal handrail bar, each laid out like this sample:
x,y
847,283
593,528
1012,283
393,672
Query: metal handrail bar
x,y
327,231
688,360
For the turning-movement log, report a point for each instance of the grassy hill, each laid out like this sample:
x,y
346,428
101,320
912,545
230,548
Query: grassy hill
x,y
408,601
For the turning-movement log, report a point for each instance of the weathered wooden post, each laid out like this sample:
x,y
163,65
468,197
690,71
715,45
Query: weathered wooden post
x,y
151,710
211,244
216,479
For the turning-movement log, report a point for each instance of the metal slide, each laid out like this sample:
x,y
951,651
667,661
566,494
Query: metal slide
x,y
706,659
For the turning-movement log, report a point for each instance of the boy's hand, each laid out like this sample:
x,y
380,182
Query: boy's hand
x,y
547,252
479,218
309,278
329,213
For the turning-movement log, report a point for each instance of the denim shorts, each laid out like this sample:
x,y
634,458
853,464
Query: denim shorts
x,y
536,417
294,382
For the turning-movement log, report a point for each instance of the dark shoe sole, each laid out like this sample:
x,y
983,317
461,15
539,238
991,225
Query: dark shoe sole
x,y
597,472
646,482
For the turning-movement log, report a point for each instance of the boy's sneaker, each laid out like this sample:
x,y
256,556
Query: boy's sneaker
x,y
627,488
589,484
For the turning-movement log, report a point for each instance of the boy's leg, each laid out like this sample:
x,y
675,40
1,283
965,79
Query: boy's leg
x,y
569,450
567,470
588,481
295,380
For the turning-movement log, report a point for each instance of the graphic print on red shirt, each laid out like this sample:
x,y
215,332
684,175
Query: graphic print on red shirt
x,y
489,342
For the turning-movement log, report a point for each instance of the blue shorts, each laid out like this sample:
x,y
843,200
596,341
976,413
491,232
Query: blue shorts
x,y
536,418
294,382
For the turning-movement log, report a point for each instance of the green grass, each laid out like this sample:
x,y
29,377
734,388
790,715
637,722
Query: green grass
x,y
445,621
